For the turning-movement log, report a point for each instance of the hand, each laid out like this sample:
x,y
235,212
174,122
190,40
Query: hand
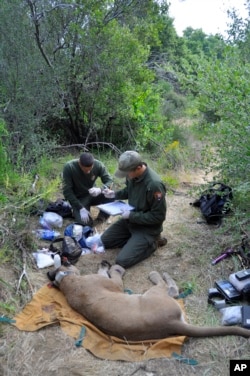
x,y
94,192
108,193
84,214
125,214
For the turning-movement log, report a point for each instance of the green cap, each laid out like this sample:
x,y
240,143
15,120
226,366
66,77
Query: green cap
x,y
127,162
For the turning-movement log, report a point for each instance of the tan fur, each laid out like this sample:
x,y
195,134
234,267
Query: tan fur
x,y
152,315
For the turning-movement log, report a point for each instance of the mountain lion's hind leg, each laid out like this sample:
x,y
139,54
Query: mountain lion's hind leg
x,y
156,279
173,289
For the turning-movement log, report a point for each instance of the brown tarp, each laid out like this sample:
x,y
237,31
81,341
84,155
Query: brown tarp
x,y
49,307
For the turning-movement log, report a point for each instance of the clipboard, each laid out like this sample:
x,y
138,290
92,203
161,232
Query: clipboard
x,y
115,208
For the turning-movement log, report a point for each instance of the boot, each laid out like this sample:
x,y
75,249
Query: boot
x,y
100,219
161,241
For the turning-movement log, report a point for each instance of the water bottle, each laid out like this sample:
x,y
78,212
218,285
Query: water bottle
x,y
46,234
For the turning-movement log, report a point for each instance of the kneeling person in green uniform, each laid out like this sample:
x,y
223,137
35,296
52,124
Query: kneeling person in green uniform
x,y
137,232
79,176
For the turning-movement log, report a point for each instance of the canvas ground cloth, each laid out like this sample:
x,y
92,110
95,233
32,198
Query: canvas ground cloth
x,y
49,306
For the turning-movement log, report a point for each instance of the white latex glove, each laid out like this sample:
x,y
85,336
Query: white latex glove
x,y
108,193
94,192
125,214
84,213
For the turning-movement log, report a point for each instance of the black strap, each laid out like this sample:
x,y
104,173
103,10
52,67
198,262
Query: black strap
x,y
52,246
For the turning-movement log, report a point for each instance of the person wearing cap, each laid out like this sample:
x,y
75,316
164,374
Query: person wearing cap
x,y
79,177
137,232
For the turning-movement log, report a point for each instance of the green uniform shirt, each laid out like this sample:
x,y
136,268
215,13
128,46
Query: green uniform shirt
x,y
76,183
148,195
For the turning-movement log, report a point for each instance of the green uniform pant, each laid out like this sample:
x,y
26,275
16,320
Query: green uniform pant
x,y
136,244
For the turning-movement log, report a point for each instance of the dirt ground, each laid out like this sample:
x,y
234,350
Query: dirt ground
x,y
187,257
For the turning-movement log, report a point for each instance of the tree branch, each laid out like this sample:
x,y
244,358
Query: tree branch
x,y
85,146
36,17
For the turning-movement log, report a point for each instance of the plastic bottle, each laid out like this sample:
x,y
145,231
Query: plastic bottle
x,y
46,234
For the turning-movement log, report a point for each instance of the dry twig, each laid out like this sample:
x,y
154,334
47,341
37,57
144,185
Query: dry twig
x,y
24,272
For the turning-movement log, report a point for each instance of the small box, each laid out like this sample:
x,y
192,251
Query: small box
x,y
243,274
239,285
228,290
245,311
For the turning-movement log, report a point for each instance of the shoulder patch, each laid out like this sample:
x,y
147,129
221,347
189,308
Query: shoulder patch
x,y
158,196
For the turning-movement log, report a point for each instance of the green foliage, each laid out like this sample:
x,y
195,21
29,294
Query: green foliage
x,y
3,152
19,196
148,118
223,95
22,76
8,178
96,72
82,82
188,286
3,158
8,308
173,105
4,253
242,198
170,180
174,156
153,111
198,43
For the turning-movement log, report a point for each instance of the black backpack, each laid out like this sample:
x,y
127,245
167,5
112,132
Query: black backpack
x,y
214,203
61,207
67,248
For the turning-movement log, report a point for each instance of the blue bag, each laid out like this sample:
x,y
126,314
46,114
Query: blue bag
x,y
79,232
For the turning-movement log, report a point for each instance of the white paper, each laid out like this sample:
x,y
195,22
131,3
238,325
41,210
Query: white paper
x,y
115,208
